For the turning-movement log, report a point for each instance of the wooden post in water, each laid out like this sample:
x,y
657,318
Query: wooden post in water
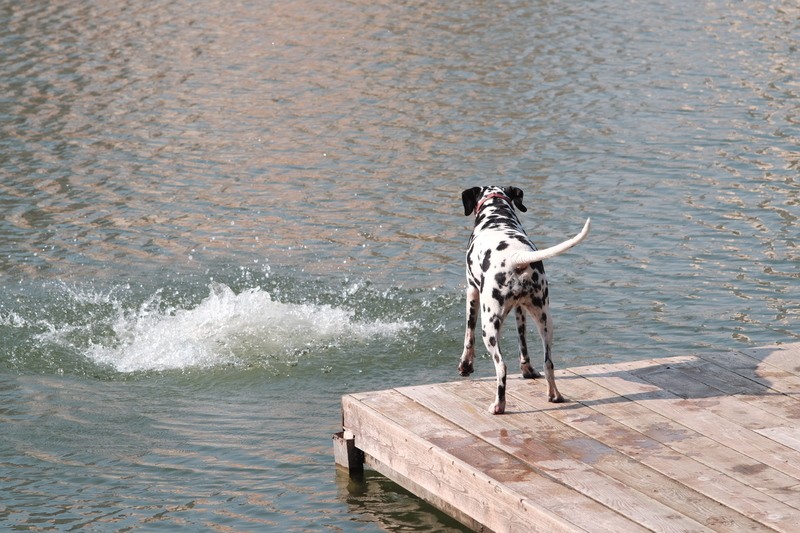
x,y
346,454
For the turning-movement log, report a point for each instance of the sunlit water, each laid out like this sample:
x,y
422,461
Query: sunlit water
x,y
217,218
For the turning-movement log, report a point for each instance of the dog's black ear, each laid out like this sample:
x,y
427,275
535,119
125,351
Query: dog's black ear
x,y
470,199
515,193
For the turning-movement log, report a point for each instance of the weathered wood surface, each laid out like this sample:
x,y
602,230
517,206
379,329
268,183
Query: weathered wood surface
x,y
708,442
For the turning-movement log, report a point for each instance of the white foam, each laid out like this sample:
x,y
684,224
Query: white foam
x,y
225,328
12,319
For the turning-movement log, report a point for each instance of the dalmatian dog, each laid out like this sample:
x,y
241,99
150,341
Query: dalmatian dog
x,y
505,273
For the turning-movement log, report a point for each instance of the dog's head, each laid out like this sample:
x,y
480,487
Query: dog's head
x,y
474,197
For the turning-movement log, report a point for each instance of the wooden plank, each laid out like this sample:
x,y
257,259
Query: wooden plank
x,y
467,473
746,386
788,436
761,372
719,377
700,419
752,413
786,357
633,469
549,453
681,382
729,461
689,458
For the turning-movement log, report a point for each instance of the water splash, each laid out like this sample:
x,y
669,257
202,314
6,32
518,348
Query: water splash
x,y
226,328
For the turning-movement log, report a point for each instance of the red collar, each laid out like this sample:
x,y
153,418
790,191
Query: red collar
x,y
487,198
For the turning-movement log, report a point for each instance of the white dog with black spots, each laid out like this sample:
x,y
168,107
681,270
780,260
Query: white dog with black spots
x,y
505,273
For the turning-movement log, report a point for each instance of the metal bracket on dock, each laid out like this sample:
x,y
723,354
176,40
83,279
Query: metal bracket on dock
x,y
346,454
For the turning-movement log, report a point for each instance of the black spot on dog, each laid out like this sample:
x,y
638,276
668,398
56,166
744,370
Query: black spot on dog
x,y
521,238
502,246
493,341
498,295
487,261
500,279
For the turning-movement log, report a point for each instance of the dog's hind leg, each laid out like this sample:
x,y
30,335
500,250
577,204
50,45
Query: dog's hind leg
x,y
499,405
525,366
465,366
545,325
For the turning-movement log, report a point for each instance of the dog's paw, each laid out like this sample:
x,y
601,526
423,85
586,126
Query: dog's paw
x,y
465,368
497,408
556,399
528,372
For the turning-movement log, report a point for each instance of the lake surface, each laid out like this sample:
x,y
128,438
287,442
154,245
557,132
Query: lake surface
x,y
218,217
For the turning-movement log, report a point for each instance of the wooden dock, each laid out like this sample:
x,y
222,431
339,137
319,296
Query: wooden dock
x,y
707,442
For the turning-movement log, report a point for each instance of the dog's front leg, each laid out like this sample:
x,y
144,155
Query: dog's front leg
x,y
490,326
465,366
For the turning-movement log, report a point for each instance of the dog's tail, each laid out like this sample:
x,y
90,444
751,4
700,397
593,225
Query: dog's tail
x,y
533,256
